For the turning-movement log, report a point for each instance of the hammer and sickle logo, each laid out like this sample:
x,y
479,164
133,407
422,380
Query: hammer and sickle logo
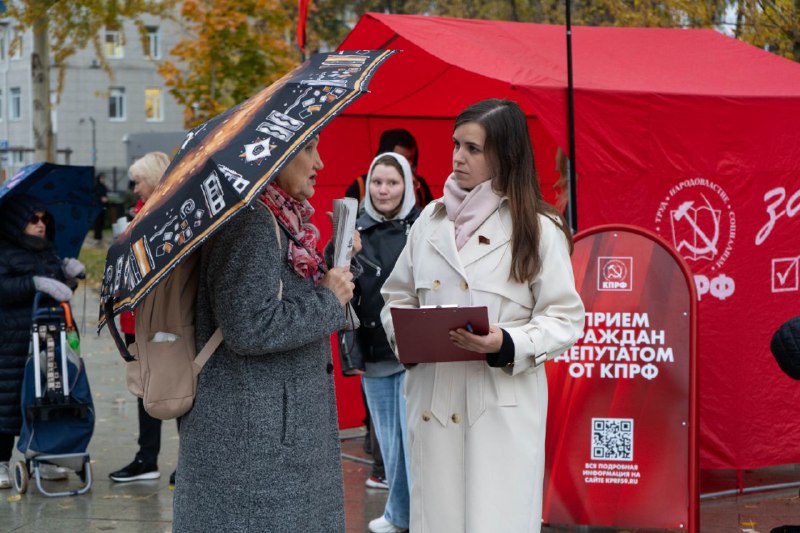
x,y
615,271
702,244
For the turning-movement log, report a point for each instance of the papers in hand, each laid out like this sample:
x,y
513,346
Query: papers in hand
x,y
345,211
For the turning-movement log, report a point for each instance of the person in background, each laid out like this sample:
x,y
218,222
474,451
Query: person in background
x,y
259,450
477,428
101,195
389,211
399,141
28,263
145,173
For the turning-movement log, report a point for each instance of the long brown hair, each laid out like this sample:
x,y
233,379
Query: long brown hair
x,y
508,149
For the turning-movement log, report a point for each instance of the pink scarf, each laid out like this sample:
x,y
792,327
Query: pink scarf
x,y
294,216
469,209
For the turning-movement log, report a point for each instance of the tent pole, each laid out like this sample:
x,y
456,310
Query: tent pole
x,y
572,204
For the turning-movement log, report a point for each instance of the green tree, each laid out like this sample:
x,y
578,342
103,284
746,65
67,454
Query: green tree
x,y
770,24
232,50
61,28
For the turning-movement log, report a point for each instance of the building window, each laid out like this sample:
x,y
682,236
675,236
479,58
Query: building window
x,y
15,104
152,46
153,110
116,103
113,44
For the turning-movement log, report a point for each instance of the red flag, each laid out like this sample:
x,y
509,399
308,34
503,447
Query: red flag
x,y
302,12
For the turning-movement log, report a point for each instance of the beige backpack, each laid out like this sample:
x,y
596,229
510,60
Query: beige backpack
x,y
163,369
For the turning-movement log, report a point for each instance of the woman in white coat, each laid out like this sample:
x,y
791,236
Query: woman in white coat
x,y
476,429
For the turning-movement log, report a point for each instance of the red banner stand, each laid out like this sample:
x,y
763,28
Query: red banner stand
x,y
622,428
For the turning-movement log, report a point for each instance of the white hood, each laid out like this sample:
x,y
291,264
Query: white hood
x,y
409,198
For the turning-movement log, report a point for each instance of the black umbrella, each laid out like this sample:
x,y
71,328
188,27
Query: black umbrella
x,y
224,164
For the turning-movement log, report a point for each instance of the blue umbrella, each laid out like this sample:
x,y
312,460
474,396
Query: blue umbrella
x,y
68,193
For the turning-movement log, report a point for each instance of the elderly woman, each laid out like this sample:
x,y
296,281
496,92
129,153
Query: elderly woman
x,y
476,428
28,263
145,173
259,450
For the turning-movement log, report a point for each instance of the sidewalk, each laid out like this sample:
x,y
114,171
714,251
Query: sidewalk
x,y
146,506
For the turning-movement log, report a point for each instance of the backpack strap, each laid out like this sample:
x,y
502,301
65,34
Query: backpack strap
x,y
112,328
210,347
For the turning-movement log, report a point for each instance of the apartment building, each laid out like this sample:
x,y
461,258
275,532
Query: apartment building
x,y
96,115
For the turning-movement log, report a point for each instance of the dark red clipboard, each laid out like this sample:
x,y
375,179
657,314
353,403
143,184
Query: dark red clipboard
x,y
422,335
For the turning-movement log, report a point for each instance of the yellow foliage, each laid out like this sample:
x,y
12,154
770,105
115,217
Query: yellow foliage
x,y
234,48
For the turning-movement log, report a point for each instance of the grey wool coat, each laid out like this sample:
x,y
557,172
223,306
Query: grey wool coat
x,y
259,451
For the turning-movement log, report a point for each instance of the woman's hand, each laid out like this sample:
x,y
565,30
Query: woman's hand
x,y
340,281
356,244
73,268
489,343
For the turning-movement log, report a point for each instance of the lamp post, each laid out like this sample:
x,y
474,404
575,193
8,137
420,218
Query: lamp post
x,y
94,139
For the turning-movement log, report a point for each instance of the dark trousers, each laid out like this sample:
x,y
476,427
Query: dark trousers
x,y
99,224
6,447
149,436
149,427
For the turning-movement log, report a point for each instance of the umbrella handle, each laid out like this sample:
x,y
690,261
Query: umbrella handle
x,y
108,309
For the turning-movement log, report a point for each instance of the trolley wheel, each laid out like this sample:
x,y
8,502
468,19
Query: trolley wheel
x,y
21,477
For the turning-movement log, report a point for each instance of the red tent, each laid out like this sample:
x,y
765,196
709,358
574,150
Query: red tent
x,y
689,133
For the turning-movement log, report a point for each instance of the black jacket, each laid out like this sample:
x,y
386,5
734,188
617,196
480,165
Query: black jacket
x,y
785,346
381,244
21,258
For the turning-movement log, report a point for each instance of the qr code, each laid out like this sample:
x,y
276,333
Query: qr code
x,y
612,438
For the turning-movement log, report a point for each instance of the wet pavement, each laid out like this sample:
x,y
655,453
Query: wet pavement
x,y
146,506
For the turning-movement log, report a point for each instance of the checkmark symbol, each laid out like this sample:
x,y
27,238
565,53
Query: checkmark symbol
x,y
785,273
782,277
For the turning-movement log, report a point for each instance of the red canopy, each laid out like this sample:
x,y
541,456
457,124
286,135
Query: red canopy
x,y
689,133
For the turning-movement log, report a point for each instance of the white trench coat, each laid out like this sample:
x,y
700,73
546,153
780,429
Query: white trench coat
x,y
476,433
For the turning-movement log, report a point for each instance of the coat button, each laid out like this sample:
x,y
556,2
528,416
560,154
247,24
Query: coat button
x,y
464,285
436,284
455,418
426,415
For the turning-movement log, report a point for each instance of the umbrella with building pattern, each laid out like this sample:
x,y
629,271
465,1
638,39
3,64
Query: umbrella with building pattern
x,y
224,164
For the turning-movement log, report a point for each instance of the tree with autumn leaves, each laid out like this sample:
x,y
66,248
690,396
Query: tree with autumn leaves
x,y
233,49
61,28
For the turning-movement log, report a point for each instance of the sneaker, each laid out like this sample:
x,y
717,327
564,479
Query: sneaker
x,y
381,525
5,476
52,472
375,482
136,471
